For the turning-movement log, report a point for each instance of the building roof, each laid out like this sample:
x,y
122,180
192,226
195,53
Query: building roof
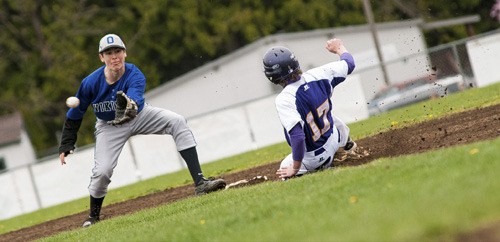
x,y
10,128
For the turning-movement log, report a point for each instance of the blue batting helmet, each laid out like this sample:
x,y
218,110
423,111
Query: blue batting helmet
x,y
279,63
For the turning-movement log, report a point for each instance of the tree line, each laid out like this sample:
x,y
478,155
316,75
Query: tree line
x,y
48,47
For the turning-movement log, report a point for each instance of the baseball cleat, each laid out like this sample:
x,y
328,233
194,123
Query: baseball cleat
x,y
209,185
350,146
90,221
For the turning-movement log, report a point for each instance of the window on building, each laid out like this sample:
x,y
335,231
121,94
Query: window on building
x,y
2,164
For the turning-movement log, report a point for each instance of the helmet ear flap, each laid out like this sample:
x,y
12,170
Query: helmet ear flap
x,y
273,74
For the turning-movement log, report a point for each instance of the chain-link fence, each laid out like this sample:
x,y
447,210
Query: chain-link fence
x,y
452,60
437,72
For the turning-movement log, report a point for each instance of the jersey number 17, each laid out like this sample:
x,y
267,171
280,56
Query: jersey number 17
x,y
322,112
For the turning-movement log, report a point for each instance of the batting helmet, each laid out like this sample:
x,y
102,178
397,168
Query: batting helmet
x,y
279,63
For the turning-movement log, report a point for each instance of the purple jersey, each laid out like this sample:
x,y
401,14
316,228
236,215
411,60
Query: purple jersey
x,y
95,91
308,103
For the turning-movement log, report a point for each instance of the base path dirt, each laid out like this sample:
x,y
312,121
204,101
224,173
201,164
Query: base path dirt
x,y
461,128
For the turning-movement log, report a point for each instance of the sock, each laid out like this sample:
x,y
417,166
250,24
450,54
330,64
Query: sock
x,y
190,156
95,206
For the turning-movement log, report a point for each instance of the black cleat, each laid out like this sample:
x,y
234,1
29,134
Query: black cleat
x,y
209,185
90,221
350,146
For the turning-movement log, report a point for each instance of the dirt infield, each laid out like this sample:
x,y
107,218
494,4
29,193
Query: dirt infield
x,y
463,128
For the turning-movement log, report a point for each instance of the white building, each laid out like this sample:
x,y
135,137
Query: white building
x,y
238,77
15,146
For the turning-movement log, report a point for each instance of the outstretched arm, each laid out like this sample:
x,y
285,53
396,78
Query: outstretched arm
x,y
297,141
337,47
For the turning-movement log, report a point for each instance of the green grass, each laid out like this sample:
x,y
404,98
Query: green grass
x,y
416,113
232,164
429,196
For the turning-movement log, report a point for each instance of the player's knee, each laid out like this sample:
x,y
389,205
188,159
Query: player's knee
x,y
173,119
179,125
179,120
102,176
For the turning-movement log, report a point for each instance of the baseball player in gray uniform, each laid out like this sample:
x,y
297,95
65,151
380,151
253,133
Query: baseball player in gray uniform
x,y
115,92
305,108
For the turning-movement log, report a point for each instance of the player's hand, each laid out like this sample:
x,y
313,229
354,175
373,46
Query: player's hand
x,y
336,46
61,158
285,172
63,155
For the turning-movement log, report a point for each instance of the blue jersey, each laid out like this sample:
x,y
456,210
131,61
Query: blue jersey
x,y
94,91
308,102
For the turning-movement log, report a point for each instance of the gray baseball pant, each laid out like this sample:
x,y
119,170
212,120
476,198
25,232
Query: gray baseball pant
x,y
111,139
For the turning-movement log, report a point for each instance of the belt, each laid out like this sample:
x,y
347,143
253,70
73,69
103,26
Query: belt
x,y
319,151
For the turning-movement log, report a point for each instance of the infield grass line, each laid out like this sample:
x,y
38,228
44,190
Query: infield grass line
x,y
422,197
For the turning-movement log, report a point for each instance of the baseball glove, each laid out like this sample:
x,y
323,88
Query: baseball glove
x,y
126,109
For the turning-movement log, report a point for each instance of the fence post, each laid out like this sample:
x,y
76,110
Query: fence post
x,y
373,29
250,129
35,188
457,59
138,172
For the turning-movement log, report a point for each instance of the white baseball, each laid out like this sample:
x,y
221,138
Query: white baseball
x,y
72,102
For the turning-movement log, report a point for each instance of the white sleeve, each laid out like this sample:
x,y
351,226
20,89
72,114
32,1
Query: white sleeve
x,y
336,69
287,111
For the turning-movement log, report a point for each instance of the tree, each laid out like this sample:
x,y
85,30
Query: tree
x,y
48,47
